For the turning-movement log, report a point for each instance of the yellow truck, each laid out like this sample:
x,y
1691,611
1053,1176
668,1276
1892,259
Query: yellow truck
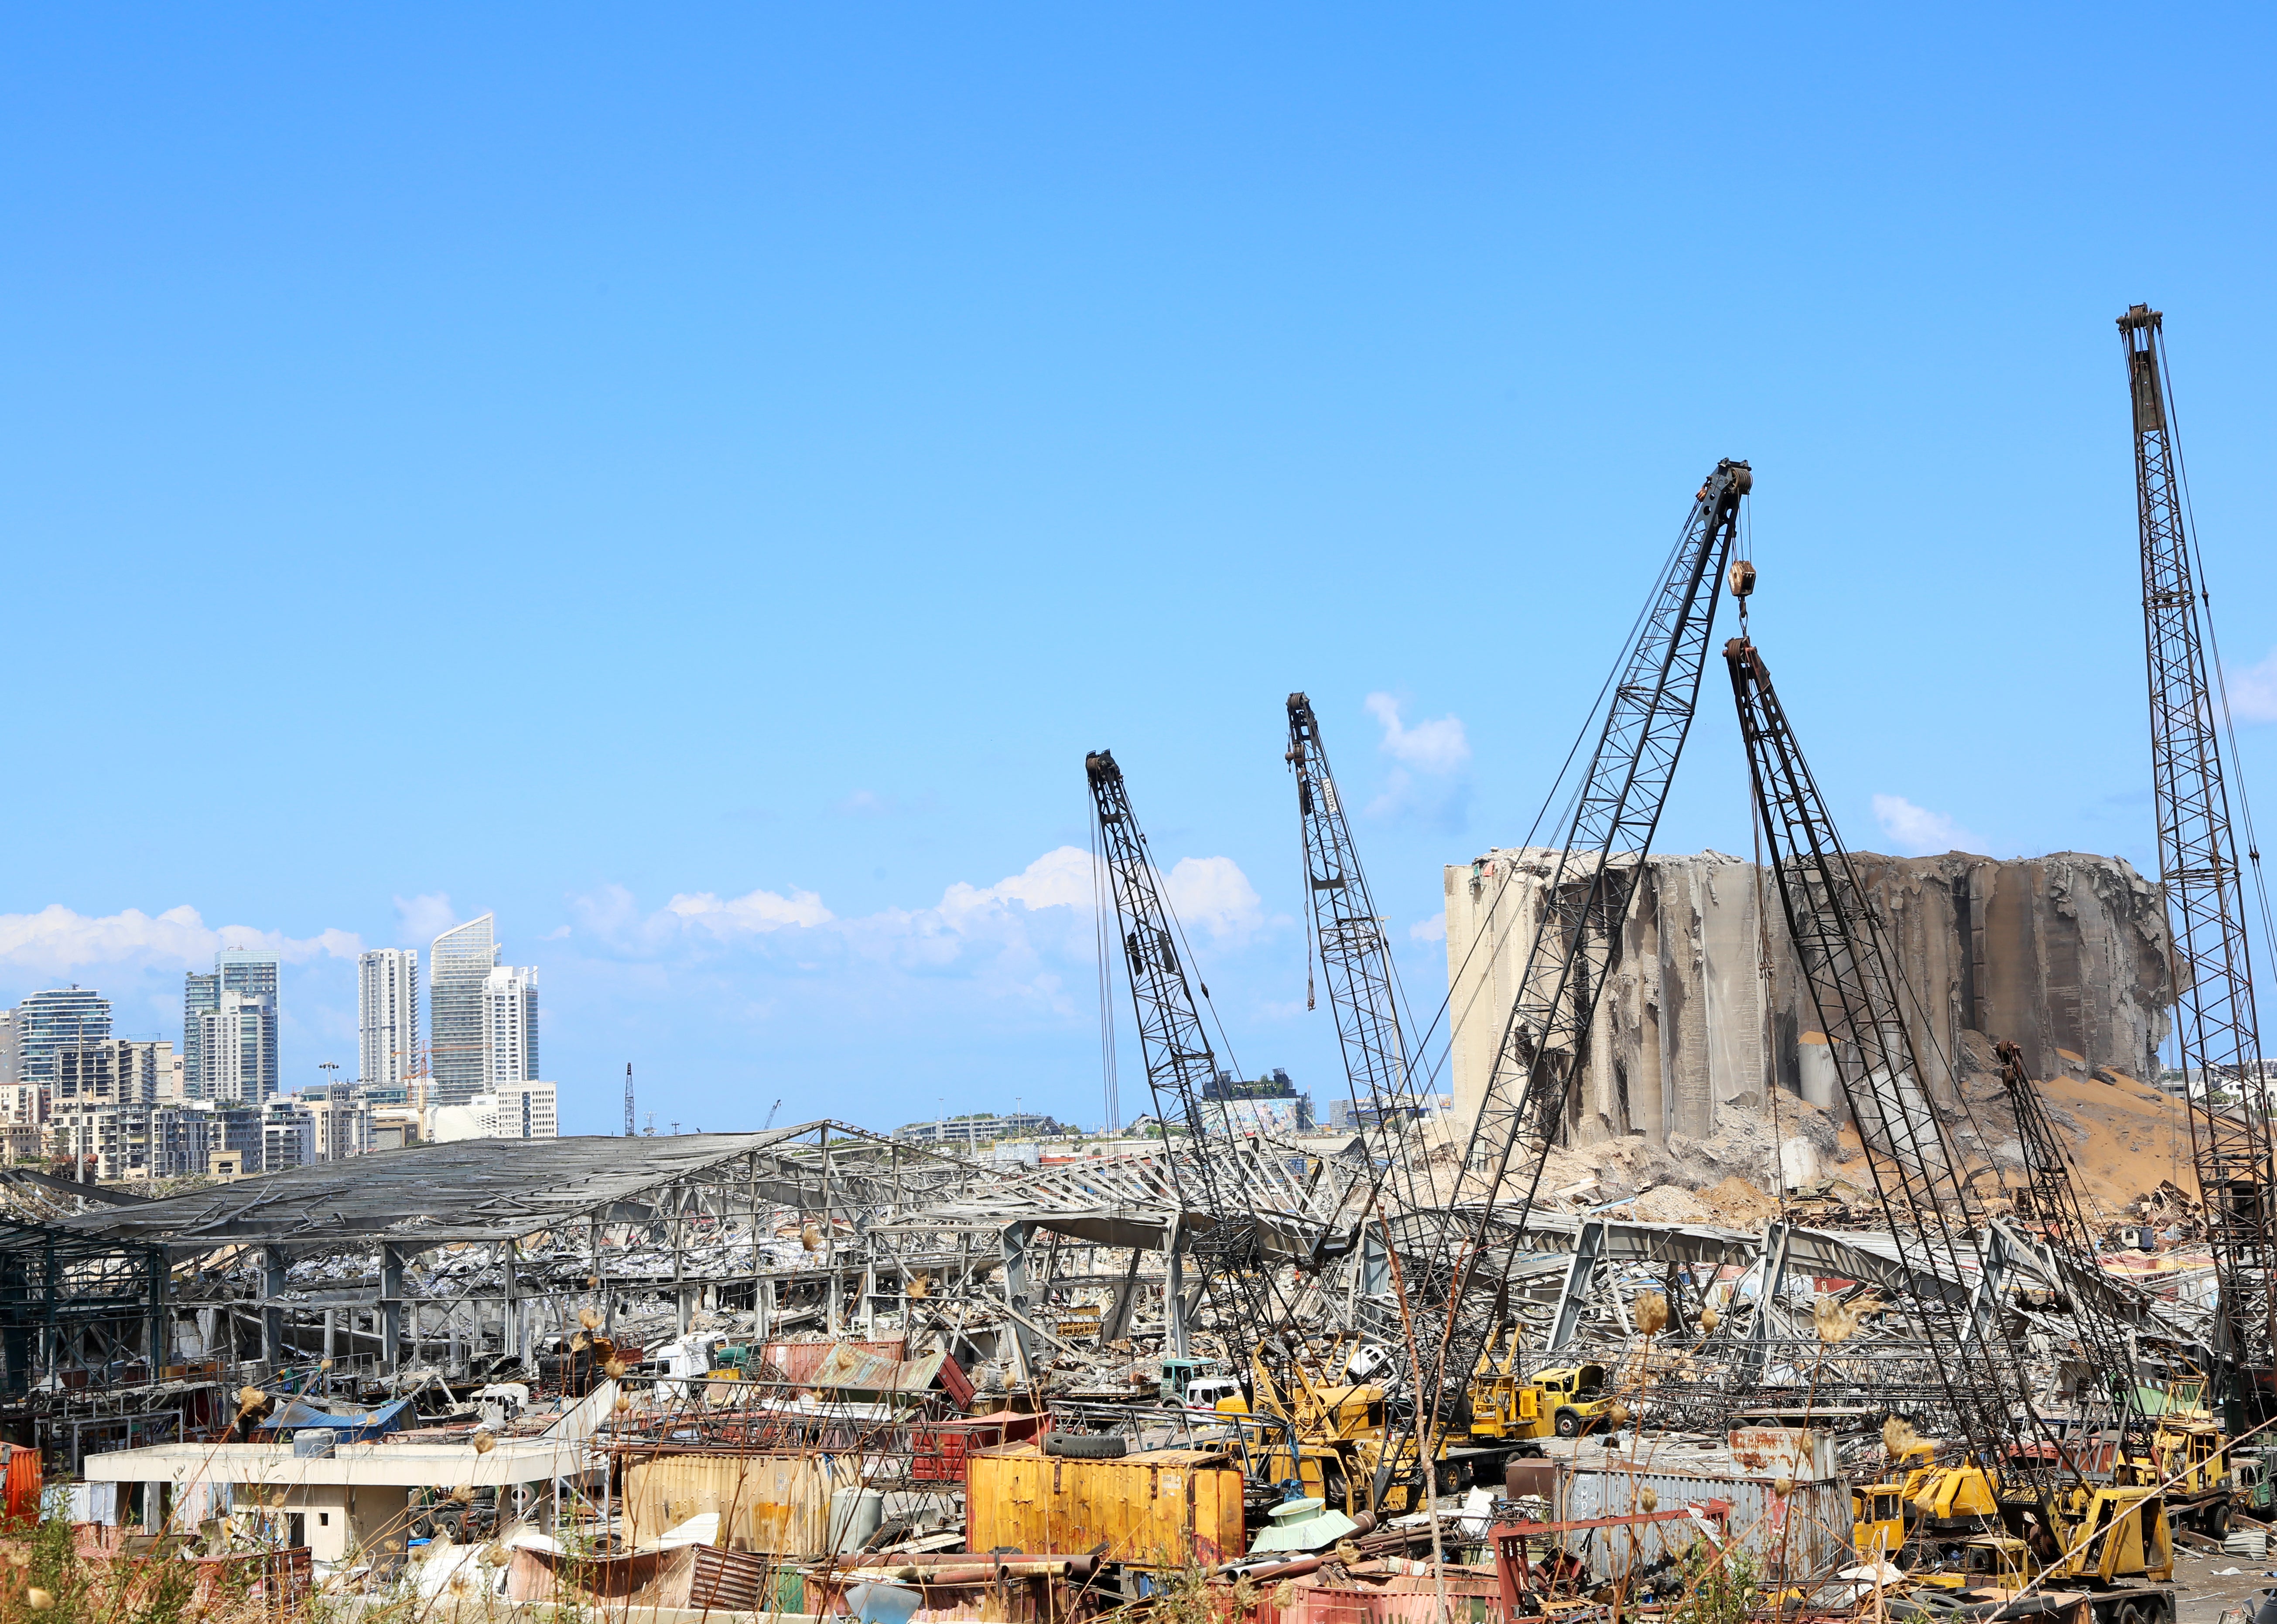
x,y
1564,1402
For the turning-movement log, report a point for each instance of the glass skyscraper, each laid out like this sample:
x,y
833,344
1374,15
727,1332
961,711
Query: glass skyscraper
x,y
65,1018
458,966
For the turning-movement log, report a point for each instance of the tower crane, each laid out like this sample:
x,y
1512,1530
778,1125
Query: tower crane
x,y
1927,1205
1228,1247
1577,934
2215,1026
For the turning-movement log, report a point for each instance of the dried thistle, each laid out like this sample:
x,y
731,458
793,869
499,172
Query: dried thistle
x,y
493,1556
1783,1486
615,1369
591,1318
1833,1321
810,1238
250,1399
1899,1436
920,1286
39,1600
624,1402
464,1494
1709,1319
592,1282
324,1364
19,1559
1616,1415
579,1343
1648,1499
1651,1309
485,1440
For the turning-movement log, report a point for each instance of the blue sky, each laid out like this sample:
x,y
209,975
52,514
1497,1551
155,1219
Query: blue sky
x,y
697,485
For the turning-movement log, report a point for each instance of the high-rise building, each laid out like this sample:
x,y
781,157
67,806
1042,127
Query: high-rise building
x,y
237,1050
64,1018
12,1048
200,993
509,1026
387,1016
253,976
458,964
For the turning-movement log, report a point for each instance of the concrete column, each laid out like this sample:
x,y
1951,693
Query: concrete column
x,y
1117,1326
762,1310
390,1309
1173,1288
272,1313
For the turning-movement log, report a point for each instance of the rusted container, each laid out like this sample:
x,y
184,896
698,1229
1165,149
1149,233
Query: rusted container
x,y
779,1505
1158,1508
938,1450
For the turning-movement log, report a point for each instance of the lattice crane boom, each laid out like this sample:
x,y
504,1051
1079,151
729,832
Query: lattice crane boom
x,y
1850,972
2215,1025
1578,933
1228,1249
1355,956
2051,1198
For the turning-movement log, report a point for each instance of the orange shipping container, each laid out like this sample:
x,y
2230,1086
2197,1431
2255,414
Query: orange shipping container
x,y
1157,1508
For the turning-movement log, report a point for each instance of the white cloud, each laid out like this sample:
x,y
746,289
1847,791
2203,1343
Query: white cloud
x,y
1917,831
1428,746
56,940
1431,929
1021,936
755,911
2253,691
1213,894
420,919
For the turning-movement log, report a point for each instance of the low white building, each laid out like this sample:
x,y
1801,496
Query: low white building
x,y
511,1110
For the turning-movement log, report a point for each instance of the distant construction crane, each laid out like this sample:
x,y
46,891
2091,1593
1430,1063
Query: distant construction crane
x,y
770,1122
2215,1027
630,1130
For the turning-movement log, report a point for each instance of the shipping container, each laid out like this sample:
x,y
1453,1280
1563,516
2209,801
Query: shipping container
x,y
1803,1533
1157,1508
779,1505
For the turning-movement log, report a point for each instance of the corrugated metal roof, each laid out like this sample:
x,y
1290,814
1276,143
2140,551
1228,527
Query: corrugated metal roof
x,y
469,1189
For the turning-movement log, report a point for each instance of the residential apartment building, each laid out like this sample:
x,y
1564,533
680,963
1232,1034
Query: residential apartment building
x,y
252,977
63,1018
236,1050
458,964
387,1017
288,1134
118,1071
509,1026
136,1142
342,1114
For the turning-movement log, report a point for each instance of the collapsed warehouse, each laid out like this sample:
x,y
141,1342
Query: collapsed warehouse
x,y
1425,1369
